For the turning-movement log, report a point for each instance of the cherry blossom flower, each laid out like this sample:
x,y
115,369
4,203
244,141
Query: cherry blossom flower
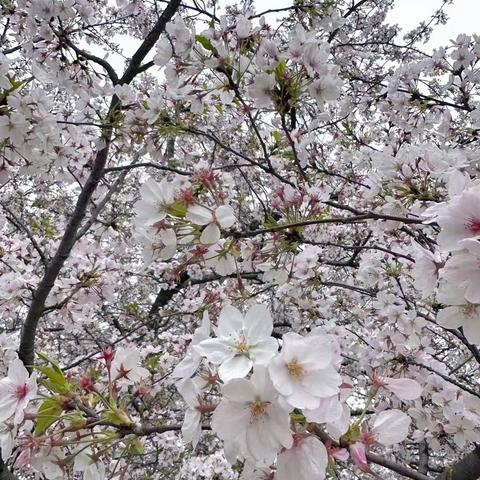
x,y
164,52
251,420
191,428
302,372
158,244
219,258
314,58
325,89
358,454
7,438
222,217
307,459
461,270
188,366
459,312
463,429
458,219
425,271
13,126
156,198
125,366
241,342
243,26
390,427
92,469
403,388
16,390
262,89
330,409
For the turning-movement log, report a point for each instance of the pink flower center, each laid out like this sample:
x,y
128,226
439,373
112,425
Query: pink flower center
x,y
474,226
21,391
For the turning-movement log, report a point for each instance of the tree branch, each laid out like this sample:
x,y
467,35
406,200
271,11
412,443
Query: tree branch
x,y
29,328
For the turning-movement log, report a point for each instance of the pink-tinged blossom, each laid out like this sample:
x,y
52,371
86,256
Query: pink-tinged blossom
x,y
164,52
156,199
458,219
325,89
93,469
212,220
307,459
315,58
330,409
241,342
390,427
403,388
303,373
459,312
188,366
219,258
425,271
358,454
191,427
262,89
13,126
243,27
126,366
461,270
157,244
8,433
16,390
251,420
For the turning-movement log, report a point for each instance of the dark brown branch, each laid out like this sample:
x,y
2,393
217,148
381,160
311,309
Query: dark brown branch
x,y
468,468
396,467
36,310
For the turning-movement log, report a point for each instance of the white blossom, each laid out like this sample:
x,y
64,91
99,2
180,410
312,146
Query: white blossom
x,y
241,341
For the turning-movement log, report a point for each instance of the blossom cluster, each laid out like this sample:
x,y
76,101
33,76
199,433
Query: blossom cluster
x,y
269,398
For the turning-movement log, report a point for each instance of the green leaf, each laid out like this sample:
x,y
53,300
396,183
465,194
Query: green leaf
x,y
277,136
177,209
352,435
49,412
117,417
56,379
280,72
205,42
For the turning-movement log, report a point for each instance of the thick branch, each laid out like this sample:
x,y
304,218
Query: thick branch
x,y
36,310
466,469
396,467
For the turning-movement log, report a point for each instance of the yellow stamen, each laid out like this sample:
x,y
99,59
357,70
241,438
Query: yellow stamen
x,y
242,347
257,409
295,369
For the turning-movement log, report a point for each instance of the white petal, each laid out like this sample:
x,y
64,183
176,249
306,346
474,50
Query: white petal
x,y
322,383
239,390
404,388
215,350
199,215
224,215
262,352
17,372
258,323
230,322
210,234
236,367
449,317
391,426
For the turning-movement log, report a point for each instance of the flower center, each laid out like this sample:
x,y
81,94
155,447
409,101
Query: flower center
x,y
470,309
258,409
474,226
21,391
295,369
242,347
